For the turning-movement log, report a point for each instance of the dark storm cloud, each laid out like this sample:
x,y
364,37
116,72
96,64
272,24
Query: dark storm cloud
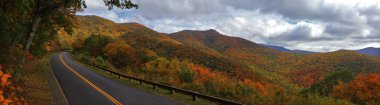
x,y
300,33
301,9
341,29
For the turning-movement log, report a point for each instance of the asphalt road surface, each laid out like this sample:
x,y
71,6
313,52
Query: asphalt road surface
x,y
84,87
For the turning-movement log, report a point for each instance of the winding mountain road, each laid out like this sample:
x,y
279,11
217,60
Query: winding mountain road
x,y
82,86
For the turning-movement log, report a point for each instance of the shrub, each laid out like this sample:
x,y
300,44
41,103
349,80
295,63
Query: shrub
x,y
100,61
84,57
186,75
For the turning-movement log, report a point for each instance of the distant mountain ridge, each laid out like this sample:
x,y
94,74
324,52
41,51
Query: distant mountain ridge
x,y
370,51
283,49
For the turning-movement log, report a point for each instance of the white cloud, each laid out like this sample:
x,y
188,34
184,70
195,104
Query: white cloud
x,y
316,25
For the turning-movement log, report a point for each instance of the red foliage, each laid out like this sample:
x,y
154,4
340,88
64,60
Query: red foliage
x,y
365,88
203,73
306,77
257,86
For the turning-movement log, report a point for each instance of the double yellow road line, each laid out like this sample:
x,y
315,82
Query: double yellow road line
x,y
90,83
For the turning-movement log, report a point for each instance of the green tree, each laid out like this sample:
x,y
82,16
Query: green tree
x,y
14,17
326,86
95,44
186,75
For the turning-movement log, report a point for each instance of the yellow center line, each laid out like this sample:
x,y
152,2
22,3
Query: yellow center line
x,y
90,83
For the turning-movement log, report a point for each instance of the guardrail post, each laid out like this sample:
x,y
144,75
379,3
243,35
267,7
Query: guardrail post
x,y
129,79
171,91
140,82
194,97
154,86
119,76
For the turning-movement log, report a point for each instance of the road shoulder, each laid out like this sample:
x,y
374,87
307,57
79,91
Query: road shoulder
x,y
58,95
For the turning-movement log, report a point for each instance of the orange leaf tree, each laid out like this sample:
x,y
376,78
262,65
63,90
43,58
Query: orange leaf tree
x,y
364,89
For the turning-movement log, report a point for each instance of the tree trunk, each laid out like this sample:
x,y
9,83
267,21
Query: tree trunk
x,y
36,21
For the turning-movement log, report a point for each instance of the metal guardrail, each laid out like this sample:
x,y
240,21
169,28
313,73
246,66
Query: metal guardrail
x,y
171,88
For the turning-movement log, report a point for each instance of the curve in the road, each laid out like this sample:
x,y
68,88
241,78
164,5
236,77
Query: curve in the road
x,y
84,87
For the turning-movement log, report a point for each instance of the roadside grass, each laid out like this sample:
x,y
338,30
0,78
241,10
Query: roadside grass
x,y
184,99
34,81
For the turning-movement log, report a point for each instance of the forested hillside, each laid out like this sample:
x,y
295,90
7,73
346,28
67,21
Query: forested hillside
x,y
220,65
301,69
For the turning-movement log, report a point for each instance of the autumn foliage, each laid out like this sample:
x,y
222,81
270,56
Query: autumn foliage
x,y
8,94
121,54
364,89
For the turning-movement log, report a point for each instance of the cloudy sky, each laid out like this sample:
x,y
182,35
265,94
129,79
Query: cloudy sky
x,y
314,25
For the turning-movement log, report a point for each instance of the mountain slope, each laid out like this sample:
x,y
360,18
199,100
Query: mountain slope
x,y
239,49
314,67
299,68
86,26
169,48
